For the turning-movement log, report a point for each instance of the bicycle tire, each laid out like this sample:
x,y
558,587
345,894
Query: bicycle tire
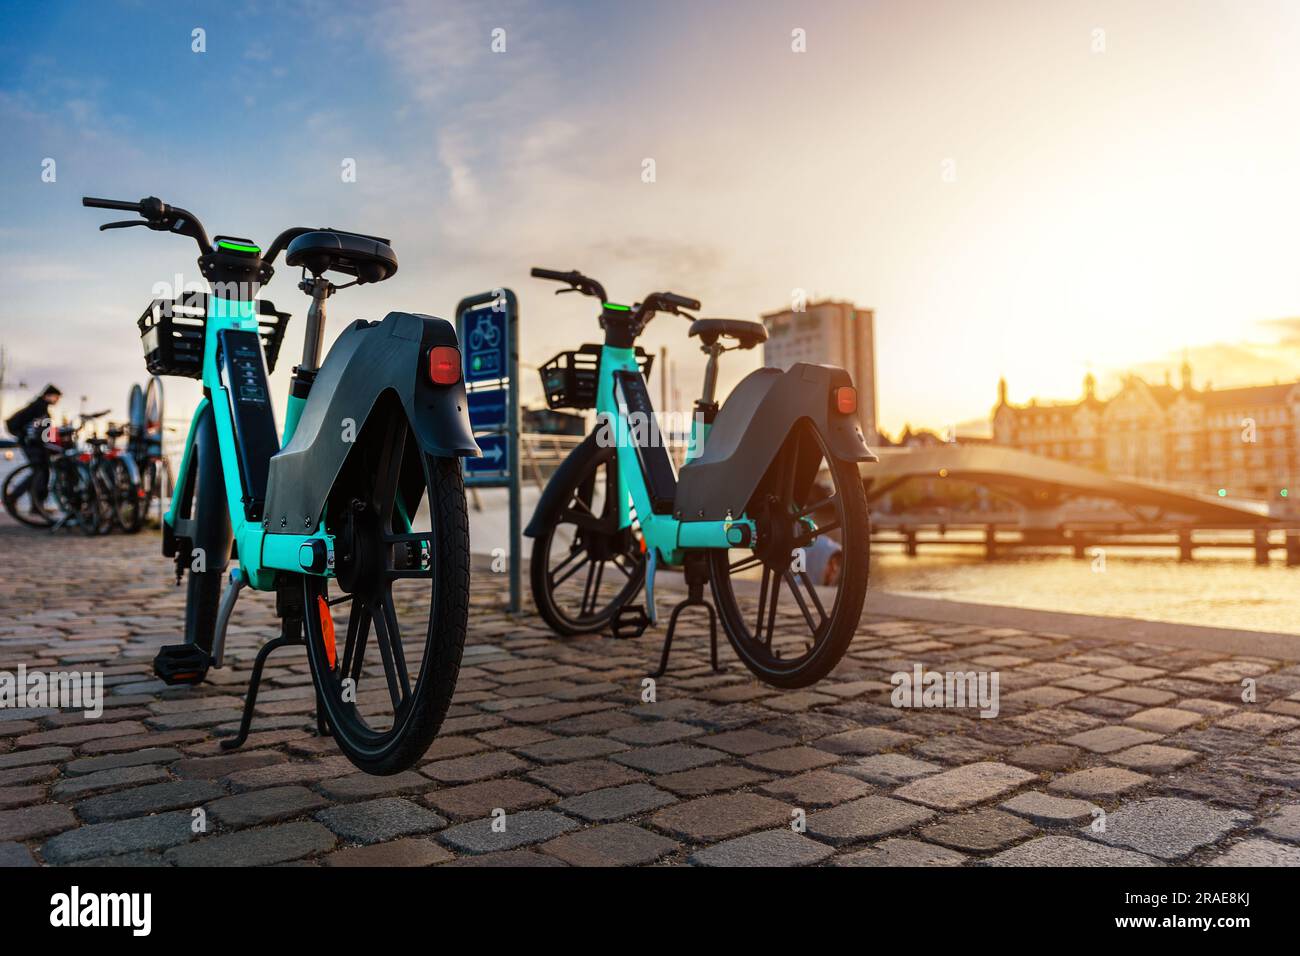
x,y
831,636
575,480
12,497
419,716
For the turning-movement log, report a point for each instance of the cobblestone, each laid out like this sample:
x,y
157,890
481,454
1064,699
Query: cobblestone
x,y
865,819
1068,851
770,848
264,806
615,844
475,800
277,844
980,830
615,803
1168,827
965,786
553,733
520,829
378,820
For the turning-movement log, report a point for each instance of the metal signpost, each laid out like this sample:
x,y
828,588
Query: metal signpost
x,y
487,325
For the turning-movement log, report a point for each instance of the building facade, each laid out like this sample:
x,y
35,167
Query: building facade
x,y
1239,442
828,333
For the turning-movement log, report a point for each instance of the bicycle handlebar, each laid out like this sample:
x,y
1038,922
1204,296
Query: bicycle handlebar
x,y
110,204
575,279
645,311
554,274
157,215
676,301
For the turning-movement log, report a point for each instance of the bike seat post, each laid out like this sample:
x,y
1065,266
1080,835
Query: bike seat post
x,y
319,288
707,404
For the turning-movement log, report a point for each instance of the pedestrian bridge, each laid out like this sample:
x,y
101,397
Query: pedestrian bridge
x,y
1045,488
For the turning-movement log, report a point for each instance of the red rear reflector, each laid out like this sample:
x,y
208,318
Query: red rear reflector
x,y
846,399
327,630
444,365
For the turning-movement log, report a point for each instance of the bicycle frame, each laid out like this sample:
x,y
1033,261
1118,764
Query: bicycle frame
x,y
261,555
664,534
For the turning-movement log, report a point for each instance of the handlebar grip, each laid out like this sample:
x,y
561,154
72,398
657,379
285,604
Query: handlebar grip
x,y
553,274
680,301
109,204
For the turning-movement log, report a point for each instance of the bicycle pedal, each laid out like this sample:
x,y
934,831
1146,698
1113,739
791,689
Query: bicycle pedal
x,y
630,621
181,664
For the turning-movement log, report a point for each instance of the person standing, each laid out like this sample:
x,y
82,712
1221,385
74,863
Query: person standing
x,y
27,425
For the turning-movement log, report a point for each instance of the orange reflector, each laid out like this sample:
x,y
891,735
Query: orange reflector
x,y
846,399
327,630
444,365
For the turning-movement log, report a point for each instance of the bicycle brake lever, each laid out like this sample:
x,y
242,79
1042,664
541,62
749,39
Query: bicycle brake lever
x,y
122,224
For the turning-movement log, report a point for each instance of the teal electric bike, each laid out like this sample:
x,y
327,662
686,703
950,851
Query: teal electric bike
x,y
354,516
769,509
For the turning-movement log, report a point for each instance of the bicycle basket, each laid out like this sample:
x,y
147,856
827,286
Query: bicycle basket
x,y
569,379
172,332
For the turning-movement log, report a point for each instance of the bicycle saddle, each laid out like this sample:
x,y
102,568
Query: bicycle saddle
x,y
369,258
748,334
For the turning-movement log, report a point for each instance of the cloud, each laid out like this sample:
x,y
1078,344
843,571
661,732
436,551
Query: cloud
x,y
1230,364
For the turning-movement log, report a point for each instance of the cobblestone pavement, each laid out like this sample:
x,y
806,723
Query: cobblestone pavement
x,y
554,732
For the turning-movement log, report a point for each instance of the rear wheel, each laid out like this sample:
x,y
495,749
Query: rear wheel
x,y
128,496
18,501
105,495
585,567
791,605
385,637
86,500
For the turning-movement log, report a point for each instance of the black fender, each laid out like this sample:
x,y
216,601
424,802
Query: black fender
x,y
203,523
562,482
750,429
367,361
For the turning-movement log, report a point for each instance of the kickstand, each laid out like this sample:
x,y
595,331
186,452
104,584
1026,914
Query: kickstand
x,y
697,575
290,634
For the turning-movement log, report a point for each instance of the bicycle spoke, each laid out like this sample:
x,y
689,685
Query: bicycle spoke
x,y
744,564
595,590
815,533
812,590
586,588
388,637
354,647
585,521
815,506
803,605
762,603
771,614
577,567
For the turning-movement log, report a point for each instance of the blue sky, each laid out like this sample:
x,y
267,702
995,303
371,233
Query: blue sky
x,y
1110,209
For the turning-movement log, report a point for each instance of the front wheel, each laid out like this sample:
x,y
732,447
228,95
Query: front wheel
x,y
791,605
584,566
401,599
19,502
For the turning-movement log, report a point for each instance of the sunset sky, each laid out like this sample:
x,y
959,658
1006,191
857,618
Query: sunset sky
x,y
1022,189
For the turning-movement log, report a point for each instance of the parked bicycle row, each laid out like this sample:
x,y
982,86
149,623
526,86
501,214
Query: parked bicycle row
x,y
367,538
87,474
